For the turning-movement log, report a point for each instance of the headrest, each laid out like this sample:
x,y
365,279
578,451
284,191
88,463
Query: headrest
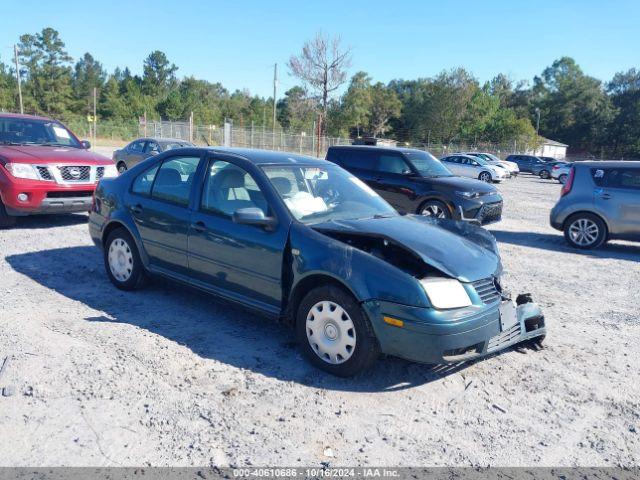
x,y
282,185
231,179
168,176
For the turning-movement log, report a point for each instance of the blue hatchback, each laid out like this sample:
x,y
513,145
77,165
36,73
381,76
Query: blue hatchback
x,y
305,241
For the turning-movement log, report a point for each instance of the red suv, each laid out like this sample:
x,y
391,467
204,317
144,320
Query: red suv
x,y
44,168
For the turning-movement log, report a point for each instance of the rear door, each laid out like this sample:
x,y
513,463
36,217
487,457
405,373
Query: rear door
x,y
617,195
160,207
135,153
361,162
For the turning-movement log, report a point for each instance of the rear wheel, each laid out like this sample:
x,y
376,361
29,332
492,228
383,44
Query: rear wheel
x,y
435,209
545,174
122,167
585,230
122,261
6,220
334,332
563,178
485,177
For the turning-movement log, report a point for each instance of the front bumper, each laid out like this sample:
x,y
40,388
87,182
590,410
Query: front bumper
x,y
46,198
425,339
481,212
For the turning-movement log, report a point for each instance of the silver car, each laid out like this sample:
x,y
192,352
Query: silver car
x,y
143,148
560,172
600,201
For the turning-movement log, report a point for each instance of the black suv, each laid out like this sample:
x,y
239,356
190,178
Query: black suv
x,y
526,163
414,181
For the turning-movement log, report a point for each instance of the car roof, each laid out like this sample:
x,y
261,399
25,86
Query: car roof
x,y
24,116
609,163
270,157
161,140
375,147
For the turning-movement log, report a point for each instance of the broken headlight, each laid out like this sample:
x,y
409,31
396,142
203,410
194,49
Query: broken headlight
x,y
445,292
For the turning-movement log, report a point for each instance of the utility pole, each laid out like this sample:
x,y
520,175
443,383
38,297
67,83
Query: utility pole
x,y
15,53
275,86
95,118
537,121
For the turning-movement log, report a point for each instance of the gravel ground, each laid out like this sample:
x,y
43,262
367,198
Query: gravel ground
x,y
168,376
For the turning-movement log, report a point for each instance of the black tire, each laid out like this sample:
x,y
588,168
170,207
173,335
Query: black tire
x,y
485,177
366,349
6,220
122,167
434,208
137,276
572,227
563,178
545,174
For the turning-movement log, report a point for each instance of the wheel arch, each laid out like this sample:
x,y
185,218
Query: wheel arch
x,y
118,223
428,198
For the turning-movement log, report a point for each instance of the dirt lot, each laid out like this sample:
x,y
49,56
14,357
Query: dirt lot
x,y
168,376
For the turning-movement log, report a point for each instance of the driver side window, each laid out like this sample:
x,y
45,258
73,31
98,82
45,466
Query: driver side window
x,y
228,188
389,163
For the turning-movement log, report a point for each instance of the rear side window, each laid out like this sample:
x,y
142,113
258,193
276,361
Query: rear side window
x,y
390,163
173,180
626,178
355,159
143,183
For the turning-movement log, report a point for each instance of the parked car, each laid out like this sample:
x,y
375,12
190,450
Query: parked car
x,y
491,159
600,201
414,181
143,148
526,163
304,240
474,167
44,168
543,170
561,171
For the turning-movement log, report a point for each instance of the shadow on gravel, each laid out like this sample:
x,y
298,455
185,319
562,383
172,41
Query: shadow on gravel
x,y
49,221
557,243
208,327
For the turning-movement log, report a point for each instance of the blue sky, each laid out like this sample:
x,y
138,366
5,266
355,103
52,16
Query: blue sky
x,y
237,43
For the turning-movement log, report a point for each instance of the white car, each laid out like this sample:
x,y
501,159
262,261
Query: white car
x,y
474,167
490,158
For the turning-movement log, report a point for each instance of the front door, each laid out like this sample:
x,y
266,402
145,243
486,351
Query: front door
x,y
160,209
243,262
393,180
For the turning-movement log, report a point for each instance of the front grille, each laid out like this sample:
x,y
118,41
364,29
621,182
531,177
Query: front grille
x,y
491,212
99,173
71,194
503,338
487,290
74,173
44,173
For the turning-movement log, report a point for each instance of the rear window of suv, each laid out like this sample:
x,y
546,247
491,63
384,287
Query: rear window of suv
x,y
351,158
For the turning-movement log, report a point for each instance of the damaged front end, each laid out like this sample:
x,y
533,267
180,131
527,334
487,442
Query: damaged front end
x,y
467,316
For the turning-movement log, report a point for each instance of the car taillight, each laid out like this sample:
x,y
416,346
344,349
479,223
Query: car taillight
x,y
566,188
556,167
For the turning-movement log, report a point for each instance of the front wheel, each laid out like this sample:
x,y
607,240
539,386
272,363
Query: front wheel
x,y
485,177
585,231
435,209
122,261
334,332
6,220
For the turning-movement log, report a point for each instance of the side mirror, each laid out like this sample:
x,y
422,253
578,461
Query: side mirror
x,y
86,144
253,216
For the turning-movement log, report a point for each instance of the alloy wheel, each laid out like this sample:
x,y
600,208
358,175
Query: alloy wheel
x,y
433,210
330,332
122,168
584,232
120,260
485,177
544,174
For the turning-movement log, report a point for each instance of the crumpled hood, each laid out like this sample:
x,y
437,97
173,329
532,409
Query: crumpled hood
x,y
458,249
41,154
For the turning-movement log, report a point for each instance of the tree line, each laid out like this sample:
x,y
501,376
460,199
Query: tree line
x,y
600,118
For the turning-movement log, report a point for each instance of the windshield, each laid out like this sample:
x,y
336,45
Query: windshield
x,y
490,156
481,161
324,194
427,165
28,131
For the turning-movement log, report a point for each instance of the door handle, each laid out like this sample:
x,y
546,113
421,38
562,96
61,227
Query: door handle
x,y
605,196
199,227
136,209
